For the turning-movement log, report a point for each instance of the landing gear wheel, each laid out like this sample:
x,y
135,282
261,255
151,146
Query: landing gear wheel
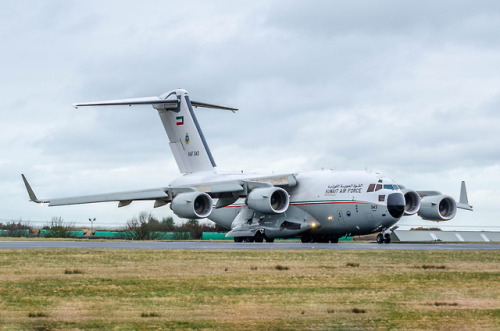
x,y
269,240
258,238
248,239
306,238
322,240
387,238
238,239
380,238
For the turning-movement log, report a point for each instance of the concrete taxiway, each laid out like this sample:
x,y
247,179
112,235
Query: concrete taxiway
x,y
83,244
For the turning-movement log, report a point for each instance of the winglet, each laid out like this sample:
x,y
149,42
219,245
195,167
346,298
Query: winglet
x,y
30,191
463,203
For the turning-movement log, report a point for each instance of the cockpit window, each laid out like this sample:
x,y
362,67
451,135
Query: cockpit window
x,y
377,187
391,187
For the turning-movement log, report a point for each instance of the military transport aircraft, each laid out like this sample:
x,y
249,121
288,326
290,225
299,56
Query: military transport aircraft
x,y
318,206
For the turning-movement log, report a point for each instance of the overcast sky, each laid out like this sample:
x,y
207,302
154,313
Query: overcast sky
x,y
411,89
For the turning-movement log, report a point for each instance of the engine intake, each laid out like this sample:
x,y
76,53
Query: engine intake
x,y
192,205
412,202
268,200
437,208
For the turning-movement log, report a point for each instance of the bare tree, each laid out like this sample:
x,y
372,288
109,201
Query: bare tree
x,y
57,228
142,228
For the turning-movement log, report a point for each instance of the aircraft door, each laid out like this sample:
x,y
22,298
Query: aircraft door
x,y
340,218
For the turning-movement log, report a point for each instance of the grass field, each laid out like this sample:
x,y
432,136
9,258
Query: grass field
x,y
248,290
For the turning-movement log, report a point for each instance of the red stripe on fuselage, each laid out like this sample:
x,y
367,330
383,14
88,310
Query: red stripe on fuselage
x,y
316,203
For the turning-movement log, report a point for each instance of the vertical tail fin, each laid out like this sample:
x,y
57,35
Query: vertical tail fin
x,y
187,142
190,149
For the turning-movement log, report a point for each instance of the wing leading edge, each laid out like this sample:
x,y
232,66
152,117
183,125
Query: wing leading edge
x,y
124,198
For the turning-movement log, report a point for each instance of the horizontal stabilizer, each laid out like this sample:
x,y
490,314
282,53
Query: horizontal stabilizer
x,y
148,101
128,102
207,105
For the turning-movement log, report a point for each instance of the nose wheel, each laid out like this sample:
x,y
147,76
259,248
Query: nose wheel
x,y
383,238
385,235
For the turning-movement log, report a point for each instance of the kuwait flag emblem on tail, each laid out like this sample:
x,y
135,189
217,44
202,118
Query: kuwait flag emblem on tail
x,y
179,120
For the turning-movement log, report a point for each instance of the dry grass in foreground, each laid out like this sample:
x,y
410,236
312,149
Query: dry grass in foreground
x,y
246,290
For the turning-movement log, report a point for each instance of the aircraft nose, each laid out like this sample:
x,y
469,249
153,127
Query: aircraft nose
x,y
396,205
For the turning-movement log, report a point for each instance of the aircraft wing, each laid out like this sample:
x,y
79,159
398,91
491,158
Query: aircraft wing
x,y
244,184
463,202
227,192
124,198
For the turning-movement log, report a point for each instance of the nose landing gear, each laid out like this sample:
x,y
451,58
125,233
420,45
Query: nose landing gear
x,y
383,238
385,235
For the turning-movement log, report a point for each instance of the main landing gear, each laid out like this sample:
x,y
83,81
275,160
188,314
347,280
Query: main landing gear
x,y
308,238
258,238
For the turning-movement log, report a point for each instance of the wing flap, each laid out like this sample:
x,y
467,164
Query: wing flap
x,y
277,180
222,187
124,197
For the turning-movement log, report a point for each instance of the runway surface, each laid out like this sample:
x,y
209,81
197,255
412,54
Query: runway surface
x,y
83,244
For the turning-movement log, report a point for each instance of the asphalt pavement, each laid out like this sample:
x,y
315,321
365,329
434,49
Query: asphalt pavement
x,y
87,244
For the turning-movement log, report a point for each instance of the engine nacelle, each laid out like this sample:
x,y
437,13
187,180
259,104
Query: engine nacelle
x,y
192,205
437,208
412,202
268,200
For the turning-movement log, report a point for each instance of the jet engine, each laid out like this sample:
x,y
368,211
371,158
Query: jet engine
x,y
268,200
437,208
412,202
192,205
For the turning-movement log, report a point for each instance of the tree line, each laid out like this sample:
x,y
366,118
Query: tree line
x,y
143,227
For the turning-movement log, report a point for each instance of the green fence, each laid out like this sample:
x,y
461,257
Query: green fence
x,y
109,234
14,233
48,233
160,235
173,235
215,236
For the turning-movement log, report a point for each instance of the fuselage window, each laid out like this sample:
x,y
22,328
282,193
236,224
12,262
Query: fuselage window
x,y
381,198
388,187
371,188
378,187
